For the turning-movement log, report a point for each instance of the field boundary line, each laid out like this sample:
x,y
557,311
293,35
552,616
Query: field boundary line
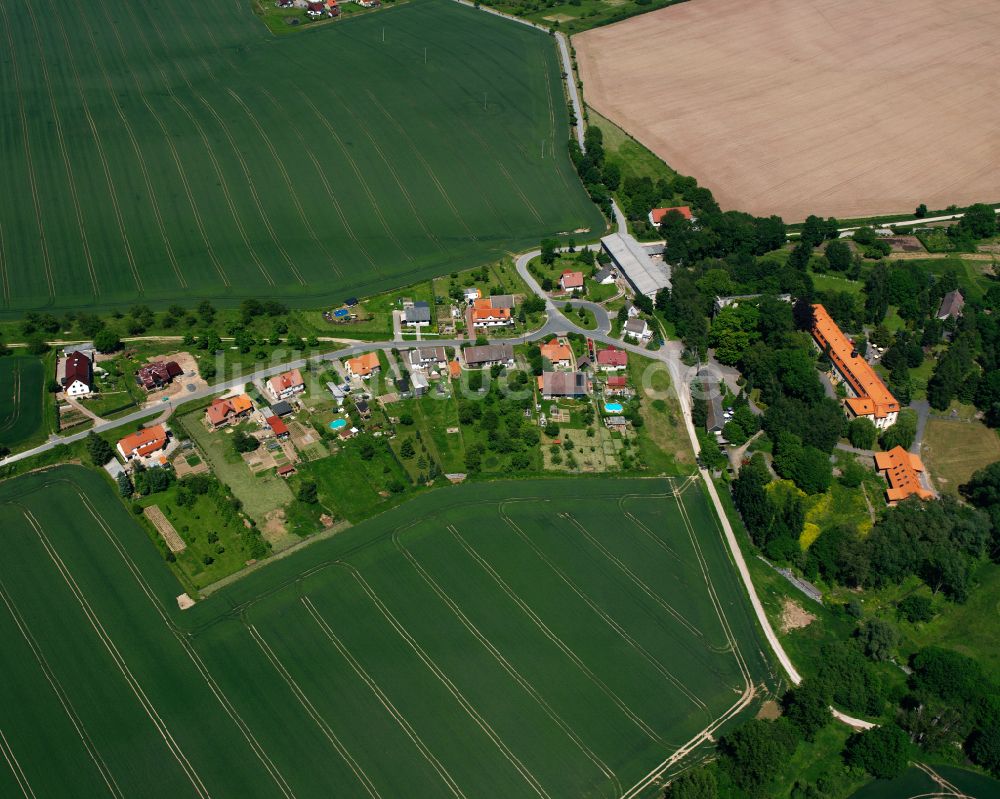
x,y
603,614
428,661
61,694
3,269
61,138
555,639
316,716
507,666
27,152
748,693
116,656
383,698
423,161
129,255
15,766
192,653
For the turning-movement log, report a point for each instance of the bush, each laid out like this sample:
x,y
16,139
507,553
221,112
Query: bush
x,y
881,751
915,608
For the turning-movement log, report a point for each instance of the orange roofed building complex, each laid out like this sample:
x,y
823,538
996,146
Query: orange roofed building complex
x,y
144,442
902,471
867,396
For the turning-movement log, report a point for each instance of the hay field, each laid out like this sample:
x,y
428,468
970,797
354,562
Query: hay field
x,y
523,639
22,398
846,108
182,152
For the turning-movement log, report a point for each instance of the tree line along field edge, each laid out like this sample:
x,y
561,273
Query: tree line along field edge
x,y
268,185
291,622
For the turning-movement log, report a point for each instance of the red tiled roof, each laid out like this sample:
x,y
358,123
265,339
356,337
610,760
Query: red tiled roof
x,y
571,280
278,426
77,368
657,214
612,357
143,442
618,381
902,470
873,398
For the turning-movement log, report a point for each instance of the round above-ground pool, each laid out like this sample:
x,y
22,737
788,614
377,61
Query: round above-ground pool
x,y
336,424
612,407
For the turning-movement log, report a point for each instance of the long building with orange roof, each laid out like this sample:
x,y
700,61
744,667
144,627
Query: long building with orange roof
x,y
902,471
867,396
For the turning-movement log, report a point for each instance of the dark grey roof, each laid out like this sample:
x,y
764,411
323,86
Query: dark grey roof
x,y
420,312
424,355
361,405
281,408
603,274
951,305
502,301
489,353
636,326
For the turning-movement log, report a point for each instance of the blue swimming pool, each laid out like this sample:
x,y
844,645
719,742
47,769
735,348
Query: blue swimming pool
x,y
612,407
336,424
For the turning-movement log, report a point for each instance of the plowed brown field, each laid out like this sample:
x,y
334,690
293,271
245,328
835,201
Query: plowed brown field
x,y
843,108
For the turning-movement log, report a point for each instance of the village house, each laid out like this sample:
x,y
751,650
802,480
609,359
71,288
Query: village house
x,y
471,294
563,384
227,411
612,359
570,280
339,392
281,408
418,315
616,423
951,306
143,442
78,377
605,276
363,366
418,383
285,471
488,355
363,409
502,301
156,375
454,370
557,354
286,385
490,317
867,396
427,358
657,214
637,329
617,386
902,472
278,427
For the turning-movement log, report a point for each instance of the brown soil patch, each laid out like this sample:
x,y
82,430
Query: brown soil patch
x,y
770,710
166,530
846,108
178,388
274,530
794,616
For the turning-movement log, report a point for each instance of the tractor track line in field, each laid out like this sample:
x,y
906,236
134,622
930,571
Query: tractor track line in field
x,y
61,138
61,695
357,173
254,255
561,645
423,162
117,657
22,779
507,666
27,154
139,157
168,88
15,413
3,269
130,257
188,647
284,175
384,700
308,706
443,678
634,578
604,615
168,140
748,693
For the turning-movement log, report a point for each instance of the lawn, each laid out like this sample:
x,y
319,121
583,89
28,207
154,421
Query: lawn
x,y
518,639
260,493
185,151
23,399
952,450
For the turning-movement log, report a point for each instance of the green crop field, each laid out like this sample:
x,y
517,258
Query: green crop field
x,y
163,152
917,784
22,398
516,639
